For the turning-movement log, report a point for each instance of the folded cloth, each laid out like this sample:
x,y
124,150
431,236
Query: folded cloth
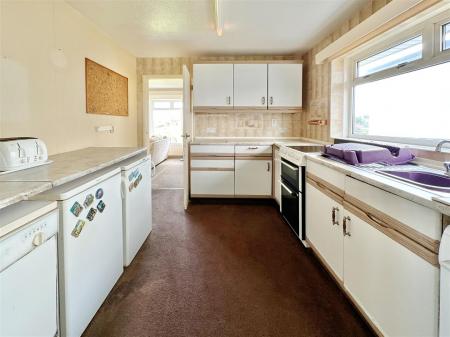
x,y
360,154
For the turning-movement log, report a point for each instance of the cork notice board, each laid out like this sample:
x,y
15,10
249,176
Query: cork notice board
x,y
106,90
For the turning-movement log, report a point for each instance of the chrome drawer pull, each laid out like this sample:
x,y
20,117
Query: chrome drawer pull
x,y
333,216
344,226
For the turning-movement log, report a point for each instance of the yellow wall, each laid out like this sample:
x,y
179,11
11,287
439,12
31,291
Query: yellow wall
x,y
40,98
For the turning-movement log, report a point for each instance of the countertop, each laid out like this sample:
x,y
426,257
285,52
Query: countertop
x,y
426,198
65,167
255,141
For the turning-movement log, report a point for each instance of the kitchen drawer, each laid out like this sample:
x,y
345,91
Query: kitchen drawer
x,y
329,175
212,183
214,162
420,218
253,150
212,150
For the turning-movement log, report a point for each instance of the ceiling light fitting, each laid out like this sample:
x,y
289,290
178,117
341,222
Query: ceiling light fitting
x,y
218,17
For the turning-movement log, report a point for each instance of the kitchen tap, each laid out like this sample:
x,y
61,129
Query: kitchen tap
x,y
439,149
440,144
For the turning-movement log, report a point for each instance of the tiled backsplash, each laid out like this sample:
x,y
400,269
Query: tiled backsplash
x,y
247,124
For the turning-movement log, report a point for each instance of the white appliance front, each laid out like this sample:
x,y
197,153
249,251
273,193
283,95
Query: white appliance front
x,y
28,280
137,206
91,250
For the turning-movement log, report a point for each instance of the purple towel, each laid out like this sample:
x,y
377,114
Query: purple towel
x,y
359,154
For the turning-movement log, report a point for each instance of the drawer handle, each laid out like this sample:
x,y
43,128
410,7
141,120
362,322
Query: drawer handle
x,y
344,226
268,167
252,147
271,100
286,188
263,100
333,216
290,166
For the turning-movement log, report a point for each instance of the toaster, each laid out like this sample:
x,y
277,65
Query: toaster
x,y
21,153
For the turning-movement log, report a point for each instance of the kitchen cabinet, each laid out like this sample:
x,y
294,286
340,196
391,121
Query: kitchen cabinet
x,y
324,228
256,86
277,175
397,289
212,171
250,86
285,86
253,177
213,86
382,250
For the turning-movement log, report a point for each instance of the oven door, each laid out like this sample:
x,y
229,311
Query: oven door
x,y
290,206
291,174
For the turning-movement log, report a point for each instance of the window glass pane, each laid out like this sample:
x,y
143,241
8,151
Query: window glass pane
x,y
446,36
161,104
407,51
177,105
167,122
412,105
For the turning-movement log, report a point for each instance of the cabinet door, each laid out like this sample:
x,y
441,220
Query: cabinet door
x,y
325,236
250,85
277,175
397,289
213,85
253,177
285,86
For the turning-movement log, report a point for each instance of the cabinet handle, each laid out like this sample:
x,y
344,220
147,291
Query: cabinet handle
x,y
333,216
271,100
228,100
252,147
344,226
263,100
268,167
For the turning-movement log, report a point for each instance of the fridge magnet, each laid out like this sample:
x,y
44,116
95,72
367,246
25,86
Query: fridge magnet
x,y
88,201
101,206
99,193
78,228
130,187
90,216
76,208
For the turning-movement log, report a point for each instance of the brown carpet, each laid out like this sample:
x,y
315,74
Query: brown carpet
x,y
224,270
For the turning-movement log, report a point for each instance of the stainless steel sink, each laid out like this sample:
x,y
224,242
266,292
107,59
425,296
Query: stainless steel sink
x,y
424,179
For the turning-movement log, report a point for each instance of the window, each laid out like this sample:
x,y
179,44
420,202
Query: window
x,y
401,54
167,117
446,36
400,91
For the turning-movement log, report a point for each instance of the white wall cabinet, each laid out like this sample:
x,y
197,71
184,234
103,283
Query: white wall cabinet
x,y
397,289
247,86
324,233
253,177
285,86
213,85
250,85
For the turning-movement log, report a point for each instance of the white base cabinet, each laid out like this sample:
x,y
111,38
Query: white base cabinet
x,y
395,287
397,290
325,235
253,177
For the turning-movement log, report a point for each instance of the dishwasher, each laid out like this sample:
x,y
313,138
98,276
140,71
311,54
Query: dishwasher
x,y
28,269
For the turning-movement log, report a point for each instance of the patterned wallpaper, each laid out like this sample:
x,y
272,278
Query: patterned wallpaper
x,y
318,93
245,124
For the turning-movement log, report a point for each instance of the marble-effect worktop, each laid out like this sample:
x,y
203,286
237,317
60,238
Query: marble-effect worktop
x,y
65,167
418,195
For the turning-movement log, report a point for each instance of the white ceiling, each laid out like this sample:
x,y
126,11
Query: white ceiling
x,y
169,28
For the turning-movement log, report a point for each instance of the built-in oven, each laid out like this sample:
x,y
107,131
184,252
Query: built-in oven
x,y
292,200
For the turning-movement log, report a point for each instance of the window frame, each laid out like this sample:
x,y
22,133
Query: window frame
x,y
432,55
172,97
